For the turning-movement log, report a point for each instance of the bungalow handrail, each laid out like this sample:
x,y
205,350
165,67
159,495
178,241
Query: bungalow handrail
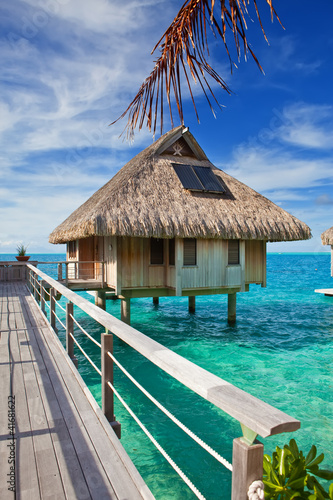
x,y
255,414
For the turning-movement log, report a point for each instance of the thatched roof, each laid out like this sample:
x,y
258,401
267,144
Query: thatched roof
x,y
146,198
327,236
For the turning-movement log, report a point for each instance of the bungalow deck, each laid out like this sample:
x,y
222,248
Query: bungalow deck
x,y
50,424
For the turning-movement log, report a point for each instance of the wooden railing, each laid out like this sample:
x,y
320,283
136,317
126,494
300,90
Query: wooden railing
x,y
255,416
72,270
13,271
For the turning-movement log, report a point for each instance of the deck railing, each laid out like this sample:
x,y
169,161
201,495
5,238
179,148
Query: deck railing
x,y
70,271
255,416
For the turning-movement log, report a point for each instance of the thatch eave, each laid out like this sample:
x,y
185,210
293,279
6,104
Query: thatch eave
x,y
327,237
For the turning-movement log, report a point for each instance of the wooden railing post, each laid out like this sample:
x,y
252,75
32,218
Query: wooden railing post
x,y
66,277
35,287
42,296
52,309
103,276
107,376
247,466
70,332
59,271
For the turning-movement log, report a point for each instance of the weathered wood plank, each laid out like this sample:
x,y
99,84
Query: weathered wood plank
x,y
27,483
47,466
117,465
70,469
65,446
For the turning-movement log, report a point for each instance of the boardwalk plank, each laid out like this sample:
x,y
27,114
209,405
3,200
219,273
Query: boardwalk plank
x,y
65,449
26,470
47,466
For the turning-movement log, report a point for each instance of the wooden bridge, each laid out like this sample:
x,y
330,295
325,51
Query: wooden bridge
x,y
62,444
55,441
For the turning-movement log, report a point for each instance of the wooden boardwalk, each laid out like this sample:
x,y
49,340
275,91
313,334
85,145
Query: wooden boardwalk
x,y
63,446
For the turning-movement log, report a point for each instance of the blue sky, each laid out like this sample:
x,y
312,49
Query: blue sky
x,y
70,67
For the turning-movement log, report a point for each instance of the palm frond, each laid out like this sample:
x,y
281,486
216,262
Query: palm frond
x,y
184,51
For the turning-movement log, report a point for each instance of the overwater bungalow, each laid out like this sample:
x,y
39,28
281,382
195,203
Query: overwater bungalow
x,y
170,223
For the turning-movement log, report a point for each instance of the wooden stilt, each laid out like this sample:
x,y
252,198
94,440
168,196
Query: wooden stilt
x,y
247,466
191,304
100,299
126,310
156,301
232,307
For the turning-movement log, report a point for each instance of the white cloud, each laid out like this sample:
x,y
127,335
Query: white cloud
x,y
309,126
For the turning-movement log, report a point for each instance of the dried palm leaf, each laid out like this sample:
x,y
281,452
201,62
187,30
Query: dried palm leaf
x,y
184,49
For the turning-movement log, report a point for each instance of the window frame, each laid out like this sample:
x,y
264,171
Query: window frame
x,y
233,251
186,250
157,252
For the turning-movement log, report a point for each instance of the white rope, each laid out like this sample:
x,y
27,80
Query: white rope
x,y
159,447
62,324
86,356
210,450
60,306
256,491
85,332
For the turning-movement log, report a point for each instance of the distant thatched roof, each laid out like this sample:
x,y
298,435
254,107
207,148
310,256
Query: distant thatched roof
x,y
327,236
146,198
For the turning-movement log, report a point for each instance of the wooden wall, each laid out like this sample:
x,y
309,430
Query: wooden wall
x,y
128,265
255,262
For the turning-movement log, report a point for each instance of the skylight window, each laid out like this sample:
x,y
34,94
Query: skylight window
x,y
197,178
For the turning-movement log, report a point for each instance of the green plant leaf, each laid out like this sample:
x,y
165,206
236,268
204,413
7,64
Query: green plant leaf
x,y
319,494
294,448
317,461
330,492
297,483
311,455
325,474
273,486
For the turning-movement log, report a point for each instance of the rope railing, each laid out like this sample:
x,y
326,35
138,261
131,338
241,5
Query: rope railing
x,y
85,332
255,416
191,434
59,320
86,356
158,446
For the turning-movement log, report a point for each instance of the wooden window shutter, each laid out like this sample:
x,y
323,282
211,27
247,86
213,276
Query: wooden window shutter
x,y
156,251
190,252
233,252
72,249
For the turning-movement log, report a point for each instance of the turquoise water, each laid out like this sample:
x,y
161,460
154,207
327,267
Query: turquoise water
x,y
279,350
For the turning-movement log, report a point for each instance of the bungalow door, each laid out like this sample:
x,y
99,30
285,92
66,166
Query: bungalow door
x,y
86,258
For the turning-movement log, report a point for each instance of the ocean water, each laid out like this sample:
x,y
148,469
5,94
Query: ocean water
x,y
280,350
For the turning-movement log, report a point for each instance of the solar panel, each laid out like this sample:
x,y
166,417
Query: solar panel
x,y
209,179
197,178
188,177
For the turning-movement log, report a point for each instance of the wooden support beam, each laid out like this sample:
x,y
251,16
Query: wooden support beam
x,y
156,301
52,309
247,466
107,376
191,304
70,332
232,307
42,296
100,300
126,310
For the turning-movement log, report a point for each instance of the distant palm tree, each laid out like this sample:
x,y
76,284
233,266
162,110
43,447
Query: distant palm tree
x,y
184,50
